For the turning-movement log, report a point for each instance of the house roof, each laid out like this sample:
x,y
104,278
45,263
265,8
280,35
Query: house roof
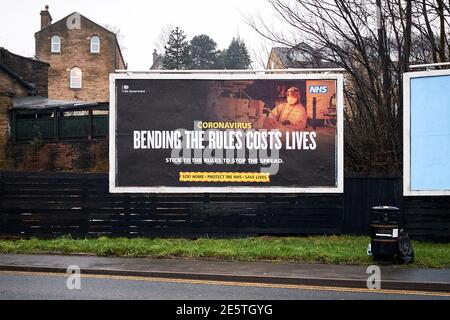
x,y
300,57
37,103
29,86
34,60
284,56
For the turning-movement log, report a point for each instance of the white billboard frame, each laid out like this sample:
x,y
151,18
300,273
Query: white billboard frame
x,y
228,75
407,77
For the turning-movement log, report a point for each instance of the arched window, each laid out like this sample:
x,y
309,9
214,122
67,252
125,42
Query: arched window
x,y
76,78
56,44
95,44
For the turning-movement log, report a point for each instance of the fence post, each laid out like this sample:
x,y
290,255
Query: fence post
x,y
57,124
91,125
85,192
3,214
13,126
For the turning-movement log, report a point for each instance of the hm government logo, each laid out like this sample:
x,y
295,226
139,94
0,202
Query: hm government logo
x,y
126,89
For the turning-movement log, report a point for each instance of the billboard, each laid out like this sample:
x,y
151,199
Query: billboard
x,y
226,133
426,133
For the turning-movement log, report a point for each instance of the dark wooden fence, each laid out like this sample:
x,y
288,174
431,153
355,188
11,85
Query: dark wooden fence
x,y
363,193
57,128
428,217
48,205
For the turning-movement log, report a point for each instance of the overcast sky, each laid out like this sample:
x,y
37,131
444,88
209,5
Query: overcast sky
x,y
140,22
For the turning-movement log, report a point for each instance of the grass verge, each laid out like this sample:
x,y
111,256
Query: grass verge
x,y
327,250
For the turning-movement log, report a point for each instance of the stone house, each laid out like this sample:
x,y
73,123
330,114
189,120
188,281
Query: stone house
x,y
81,54
297,58
54,108
19,77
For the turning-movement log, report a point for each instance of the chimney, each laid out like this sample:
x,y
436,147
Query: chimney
x,y
155,56
46,18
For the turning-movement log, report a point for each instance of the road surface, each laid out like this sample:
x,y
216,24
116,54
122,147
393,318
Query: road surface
x,y
40,286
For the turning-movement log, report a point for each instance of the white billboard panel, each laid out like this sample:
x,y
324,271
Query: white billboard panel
x,y
427,133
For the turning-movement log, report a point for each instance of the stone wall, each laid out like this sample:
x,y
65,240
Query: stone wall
x,y
68,156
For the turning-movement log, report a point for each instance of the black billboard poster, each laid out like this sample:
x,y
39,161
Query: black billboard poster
x,y
226,133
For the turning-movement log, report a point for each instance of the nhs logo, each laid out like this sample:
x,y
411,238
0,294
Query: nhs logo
x,y
318,89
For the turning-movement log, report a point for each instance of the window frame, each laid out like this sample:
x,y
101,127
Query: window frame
x,y
53,43
72,78
92,43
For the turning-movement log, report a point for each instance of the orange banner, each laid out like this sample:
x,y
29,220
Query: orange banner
x,y
224,177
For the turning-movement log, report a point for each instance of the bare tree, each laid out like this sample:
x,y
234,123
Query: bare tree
x,y
430,20
261,54
375,47
163,38
119,35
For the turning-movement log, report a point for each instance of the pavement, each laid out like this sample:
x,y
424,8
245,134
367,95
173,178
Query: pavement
x,y
392,277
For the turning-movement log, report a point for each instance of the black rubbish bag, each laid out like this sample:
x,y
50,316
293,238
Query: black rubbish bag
x,y
405,252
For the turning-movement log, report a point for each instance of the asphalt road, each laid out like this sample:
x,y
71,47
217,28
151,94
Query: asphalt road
x,y
26,286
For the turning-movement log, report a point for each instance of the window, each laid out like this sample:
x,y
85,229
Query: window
x,y
56,44
75,78
95,44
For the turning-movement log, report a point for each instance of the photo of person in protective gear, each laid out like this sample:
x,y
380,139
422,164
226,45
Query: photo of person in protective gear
x,y
289,116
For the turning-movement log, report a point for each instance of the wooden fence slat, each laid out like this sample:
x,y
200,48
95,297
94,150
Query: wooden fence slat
x,y
3,212
47,204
